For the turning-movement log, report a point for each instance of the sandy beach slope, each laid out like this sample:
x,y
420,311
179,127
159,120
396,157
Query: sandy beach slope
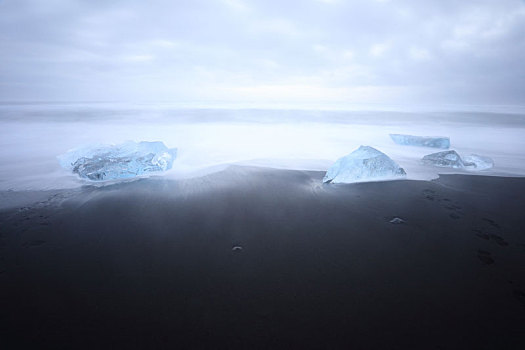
x,y
150,264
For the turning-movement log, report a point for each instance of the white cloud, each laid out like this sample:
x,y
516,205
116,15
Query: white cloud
x,y
238,5
299,48
419,54
379,50
167,44
315,94
329,1
138,58
348,54
320,48
274,26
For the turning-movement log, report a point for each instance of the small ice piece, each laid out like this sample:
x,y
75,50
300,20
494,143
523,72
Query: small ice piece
x,y
110,162
422,141
397,221
364,164
478,162
447,159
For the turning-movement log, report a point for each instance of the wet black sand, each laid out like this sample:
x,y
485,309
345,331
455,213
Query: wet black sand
x,y
149,264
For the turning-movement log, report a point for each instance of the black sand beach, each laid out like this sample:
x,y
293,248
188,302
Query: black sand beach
x,y
149,264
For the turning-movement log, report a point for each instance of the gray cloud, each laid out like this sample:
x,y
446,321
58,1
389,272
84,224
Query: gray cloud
x,y
301,51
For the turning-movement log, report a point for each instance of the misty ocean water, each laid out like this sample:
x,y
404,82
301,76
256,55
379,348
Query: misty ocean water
x,y
33,135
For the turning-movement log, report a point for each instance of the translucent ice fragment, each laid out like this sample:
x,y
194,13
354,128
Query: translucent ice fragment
x,y
447,159
130,159
422,141
364,164
477,162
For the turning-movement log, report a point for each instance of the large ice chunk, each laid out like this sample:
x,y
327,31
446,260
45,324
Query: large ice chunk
x,y
122,161
364,164
423,141
446,159
477,162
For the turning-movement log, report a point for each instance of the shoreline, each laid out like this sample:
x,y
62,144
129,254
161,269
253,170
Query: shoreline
x,y
73,183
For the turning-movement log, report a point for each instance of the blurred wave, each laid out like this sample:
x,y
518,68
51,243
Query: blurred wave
x,y
32,135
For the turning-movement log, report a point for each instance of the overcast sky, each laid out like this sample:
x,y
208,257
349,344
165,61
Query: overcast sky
x,y
207,52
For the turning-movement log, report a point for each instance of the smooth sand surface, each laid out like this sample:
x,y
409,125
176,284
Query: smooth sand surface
x,y
149,264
